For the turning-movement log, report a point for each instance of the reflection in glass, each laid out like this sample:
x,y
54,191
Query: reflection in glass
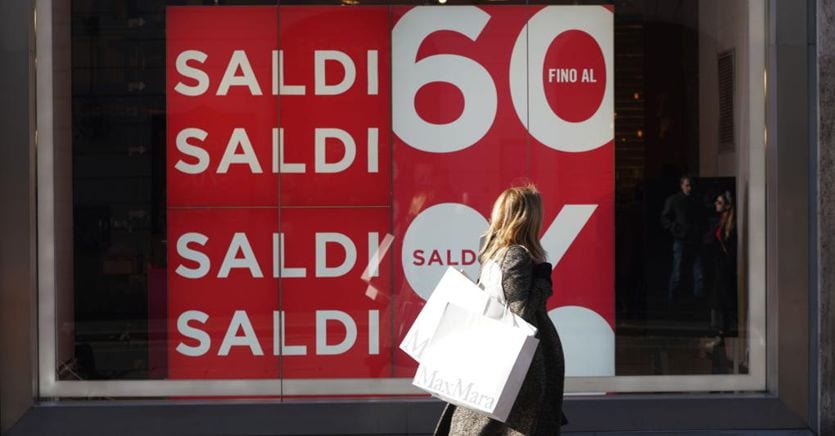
x,y
316,223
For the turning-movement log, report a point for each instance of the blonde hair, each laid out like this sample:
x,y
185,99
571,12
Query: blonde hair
x,y
516,219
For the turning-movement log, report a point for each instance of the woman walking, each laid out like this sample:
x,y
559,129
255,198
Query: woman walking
x,y
513,268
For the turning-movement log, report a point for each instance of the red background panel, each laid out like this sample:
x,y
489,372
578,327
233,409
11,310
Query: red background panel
x,y
507,155
473,176
354,32
356,201
585,274
349,293
221,297
218,33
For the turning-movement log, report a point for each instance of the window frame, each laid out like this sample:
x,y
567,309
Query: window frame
x,y
48,258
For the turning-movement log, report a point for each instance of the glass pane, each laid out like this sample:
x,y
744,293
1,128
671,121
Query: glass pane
x,y
273,191
458,144
335,190
678,308
172,241
221,117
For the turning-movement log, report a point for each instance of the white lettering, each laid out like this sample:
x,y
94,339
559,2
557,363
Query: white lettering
x,y
321,140
322,346
565,228
280,347
373,152
562,75
203,262
319,72
230,78
192,73
373,84
279,164
279,268
322,241
279,87
248,261
240,254
455,388
231,156
192,150
240,320
374,251
204,341
588,76
241,333
373,332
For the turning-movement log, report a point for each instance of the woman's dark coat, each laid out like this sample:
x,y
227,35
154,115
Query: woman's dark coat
x,y
538,407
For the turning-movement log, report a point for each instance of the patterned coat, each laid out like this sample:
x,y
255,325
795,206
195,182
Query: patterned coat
x,y
538,407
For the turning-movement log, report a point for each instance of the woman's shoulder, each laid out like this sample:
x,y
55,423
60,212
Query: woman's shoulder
x,y
517,254
518,250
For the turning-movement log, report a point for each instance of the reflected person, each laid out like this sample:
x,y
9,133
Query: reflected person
x,y
682,218
723,293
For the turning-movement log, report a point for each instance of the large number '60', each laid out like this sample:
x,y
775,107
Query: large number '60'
x,y
477,87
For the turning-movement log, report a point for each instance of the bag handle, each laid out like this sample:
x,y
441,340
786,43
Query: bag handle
x,y
505,310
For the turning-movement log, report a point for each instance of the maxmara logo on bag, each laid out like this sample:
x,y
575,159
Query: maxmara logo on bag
x,y
454,388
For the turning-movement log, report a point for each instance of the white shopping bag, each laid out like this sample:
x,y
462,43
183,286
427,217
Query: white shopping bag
x,y
455,288
476,362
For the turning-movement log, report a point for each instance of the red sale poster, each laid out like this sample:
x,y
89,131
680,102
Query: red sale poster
x,y
473,130
222,301
222,115
335,106
319,185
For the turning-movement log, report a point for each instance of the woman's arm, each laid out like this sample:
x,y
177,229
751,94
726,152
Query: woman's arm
x,y
517,278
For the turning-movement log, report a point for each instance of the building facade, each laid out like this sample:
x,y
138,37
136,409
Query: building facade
x,y
223,217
